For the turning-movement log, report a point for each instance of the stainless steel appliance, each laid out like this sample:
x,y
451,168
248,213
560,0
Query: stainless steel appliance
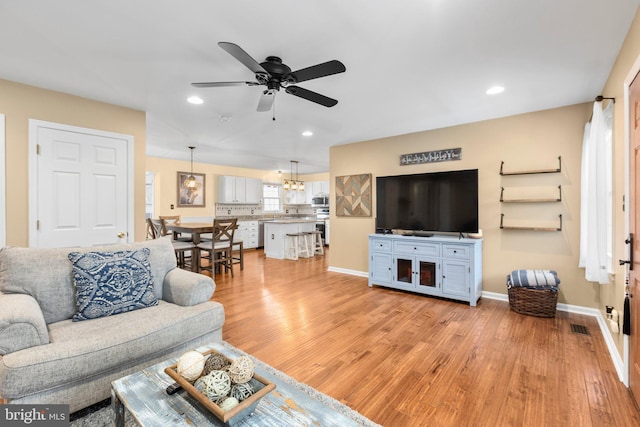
x,y
320,200
322,215
261,234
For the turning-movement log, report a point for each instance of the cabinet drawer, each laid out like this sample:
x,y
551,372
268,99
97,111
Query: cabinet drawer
x,y
456,251
381,245
430,249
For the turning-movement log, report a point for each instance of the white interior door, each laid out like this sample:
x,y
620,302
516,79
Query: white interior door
x,y
82,186
634,229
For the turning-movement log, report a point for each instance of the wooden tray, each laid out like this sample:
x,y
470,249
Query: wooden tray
x,y
234,414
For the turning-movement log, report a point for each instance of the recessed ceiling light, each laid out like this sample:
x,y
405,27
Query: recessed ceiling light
x,y
495,90
307,133
195,100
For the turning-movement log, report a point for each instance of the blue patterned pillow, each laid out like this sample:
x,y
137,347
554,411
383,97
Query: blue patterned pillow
x,y
111,282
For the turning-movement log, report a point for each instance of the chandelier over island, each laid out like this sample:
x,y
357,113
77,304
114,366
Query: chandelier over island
x,y
291,183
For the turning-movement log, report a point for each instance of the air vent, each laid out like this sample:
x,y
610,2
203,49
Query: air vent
x,y
579,329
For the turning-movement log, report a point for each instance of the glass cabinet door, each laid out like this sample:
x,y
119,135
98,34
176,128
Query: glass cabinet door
x,y
427,274
404,270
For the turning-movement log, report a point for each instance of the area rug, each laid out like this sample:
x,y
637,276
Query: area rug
x,y
102,415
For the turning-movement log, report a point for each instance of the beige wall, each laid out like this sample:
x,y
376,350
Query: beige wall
x,y
166,183
19,103
523,142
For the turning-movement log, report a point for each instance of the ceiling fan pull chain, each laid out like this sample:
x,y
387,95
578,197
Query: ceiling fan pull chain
x,y
273,111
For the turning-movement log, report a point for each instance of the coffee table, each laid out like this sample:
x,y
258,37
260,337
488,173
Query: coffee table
x,y
144,396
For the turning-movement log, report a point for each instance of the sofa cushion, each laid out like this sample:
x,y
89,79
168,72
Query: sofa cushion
x,y
45,273
82,350
110,283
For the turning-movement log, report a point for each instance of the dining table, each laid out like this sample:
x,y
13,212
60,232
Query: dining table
x,y
196,229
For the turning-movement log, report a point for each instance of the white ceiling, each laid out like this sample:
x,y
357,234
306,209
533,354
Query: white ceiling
x,y
412,65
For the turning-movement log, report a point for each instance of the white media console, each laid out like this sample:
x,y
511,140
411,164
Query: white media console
x,y
442,266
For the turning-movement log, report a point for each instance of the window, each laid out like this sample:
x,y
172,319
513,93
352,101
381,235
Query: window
x,y
271,197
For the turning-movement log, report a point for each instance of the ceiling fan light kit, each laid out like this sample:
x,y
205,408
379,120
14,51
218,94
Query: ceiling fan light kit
x,y
273,74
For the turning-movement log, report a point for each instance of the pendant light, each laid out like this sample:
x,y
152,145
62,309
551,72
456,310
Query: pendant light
x,y
299,184
294,182
287,184
191,181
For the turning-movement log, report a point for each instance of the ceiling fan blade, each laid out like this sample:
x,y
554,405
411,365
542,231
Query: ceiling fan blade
x,y
242,56
266,101
311,96
320,70
223,84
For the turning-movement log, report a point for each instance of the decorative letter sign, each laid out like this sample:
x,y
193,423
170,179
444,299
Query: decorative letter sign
x,y
431,157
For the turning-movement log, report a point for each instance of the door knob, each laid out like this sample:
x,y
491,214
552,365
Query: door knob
x,y
121,235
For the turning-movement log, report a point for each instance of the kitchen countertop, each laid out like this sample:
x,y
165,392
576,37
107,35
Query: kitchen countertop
x,y
290,221
270,218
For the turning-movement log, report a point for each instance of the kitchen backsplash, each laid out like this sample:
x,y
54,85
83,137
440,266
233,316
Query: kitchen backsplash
x,y
223,210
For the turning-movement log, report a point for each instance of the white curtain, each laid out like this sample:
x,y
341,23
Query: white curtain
x,y
596,198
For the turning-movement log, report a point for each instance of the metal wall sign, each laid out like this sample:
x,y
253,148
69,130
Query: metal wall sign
x,y
431,156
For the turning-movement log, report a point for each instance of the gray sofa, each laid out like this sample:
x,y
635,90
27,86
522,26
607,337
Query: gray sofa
x,y
46,357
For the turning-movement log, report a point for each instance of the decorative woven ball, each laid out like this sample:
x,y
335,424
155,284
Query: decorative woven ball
x,y
190,365
228,403
215,362
215,384
241,370
241,391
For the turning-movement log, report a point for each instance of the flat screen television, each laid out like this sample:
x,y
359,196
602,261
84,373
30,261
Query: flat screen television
x,y
444,202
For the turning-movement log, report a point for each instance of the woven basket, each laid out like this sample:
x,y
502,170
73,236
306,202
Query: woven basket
x,y
534,302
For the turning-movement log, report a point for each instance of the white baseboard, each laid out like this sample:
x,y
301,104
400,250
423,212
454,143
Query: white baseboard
x,y
350,272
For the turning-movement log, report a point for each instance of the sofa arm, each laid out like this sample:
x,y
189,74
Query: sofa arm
x,y
184,287
21,323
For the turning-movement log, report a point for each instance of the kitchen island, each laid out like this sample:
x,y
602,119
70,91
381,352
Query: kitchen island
x,y
275,234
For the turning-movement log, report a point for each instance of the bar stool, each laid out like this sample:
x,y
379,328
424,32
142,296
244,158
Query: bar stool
x,y
297,246
316,243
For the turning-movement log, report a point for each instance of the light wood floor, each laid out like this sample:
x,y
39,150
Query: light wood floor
x,y
408,360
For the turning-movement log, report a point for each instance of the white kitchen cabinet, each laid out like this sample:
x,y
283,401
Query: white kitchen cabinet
x,y
238,189
253,190
296,197
313,188
247,231
442,266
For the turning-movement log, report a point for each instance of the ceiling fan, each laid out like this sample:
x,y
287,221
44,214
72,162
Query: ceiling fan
x,y
273,74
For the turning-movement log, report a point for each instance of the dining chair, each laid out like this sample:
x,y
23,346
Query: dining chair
x,y
158,229
151,232
176,219
218,251
238,247
155,226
